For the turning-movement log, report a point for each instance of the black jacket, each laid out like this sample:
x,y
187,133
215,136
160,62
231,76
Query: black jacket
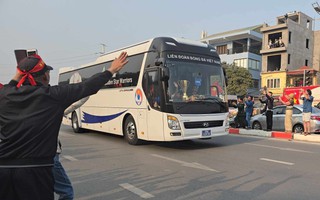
x,y
30,119
268,101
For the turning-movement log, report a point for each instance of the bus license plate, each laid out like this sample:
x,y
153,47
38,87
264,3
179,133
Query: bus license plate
x,y
206,133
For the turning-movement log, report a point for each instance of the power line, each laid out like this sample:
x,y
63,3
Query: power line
x,y
103,48
73,57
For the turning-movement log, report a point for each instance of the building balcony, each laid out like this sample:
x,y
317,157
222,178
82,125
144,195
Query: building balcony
x,y
244,49
273,50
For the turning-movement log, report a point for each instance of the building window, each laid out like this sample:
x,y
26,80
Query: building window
x,y
289,58
254,64
275,40
308,24
273,83
307,43
289,36
256,83
247,63
241,63
306,62
222,49
274,63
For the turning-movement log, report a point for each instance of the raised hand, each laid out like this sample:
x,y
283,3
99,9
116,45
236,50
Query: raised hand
x,y
118,63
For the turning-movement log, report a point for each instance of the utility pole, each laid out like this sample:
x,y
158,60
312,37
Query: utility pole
x,y
304,77
316,7
103,48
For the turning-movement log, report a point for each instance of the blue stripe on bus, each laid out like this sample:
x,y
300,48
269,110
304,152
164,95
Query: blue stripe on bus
x,y
90,119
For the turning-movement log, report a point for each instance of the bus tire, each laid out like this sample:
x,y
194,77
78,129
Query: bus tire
x,y
130,131
75,123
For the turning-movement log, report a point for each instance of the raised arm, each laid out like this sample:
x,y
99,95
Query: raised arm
x,y
118,63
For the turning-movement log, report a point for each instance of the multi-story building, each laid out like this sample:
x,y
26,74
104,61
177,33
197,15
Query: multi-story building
x,y
289,52
240,47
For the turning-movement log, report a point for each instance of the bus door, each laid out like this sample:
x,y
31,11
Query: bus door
x,y
154,116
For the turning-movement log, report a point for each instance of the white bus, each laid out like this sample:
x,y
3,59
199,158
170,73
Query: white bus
x,y
170,90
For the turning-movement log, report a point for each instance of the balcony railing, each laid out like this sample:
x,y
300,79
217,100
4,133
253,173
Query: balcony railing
x,y
277,49
244,49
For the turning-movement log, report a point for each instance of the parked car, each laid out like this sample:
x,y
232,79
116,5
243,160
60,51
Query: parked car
x,y
259,121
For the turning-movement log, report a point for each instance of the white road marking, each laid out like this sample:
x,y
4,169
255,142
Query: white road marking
x,y
280,148
70,158
186,164
137,191
101,194
277,161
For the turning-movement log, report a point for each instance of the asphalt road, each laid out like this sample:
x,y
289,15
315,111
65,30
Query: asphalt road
x,y
233,167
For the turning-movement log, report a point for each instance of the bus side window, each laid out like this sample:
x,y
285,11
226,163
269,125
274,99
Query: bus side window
x,y
151,88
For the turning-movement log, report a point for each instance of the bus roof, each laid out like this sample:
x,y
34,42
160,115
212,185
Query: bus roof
x,y
161,43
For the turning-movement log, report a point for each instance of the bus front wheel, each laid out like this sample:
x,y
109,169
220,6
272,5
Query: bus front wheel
x,y
130,131
75,123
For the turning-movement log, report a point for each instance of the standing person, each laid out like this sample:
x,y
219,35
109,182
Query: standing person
x,y
306,109
288,101
249,110
31,112
62,183
269,106
240,118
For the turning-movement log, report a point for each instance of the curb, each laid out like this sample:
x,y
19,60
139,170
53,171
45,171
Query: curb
x,y
282,135
255,132
275,134
309,138
234,130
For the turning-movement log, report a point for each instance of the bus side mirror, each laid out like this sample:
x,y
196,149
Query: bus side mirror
x,y
159,62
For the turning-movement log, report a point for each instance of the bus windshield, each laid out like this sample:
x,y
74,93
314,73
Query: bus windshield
x,y
190,81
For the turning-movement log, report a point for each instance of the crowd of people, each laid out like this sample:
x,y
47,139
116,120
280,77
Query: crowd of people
x,y
276,43
245,110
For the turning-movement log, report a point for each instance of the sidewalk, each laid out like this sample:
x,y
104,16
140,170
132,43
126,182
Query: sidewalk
x,y
276,134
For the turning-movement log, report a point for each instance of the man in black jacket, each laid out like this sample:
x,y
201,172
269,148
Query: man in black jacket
x,y
268,108
31,112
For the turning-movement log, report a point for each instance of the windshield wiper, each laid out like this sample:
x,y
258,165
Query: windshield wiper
x,y
216,100
184,105
204,100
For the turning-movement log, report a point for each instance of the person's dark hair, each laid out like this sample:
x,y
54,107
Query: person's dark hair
x,y
39,78
309,92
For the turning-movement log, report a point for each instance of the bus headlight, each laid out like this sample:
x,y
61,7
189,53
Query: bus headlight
x,y
173,122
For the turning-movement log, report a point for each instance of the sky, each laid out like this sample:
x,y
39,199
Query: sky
x,y
69,33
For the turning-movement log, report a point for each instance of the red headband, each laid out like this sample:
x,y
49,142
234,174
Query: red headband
x,y
28,74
